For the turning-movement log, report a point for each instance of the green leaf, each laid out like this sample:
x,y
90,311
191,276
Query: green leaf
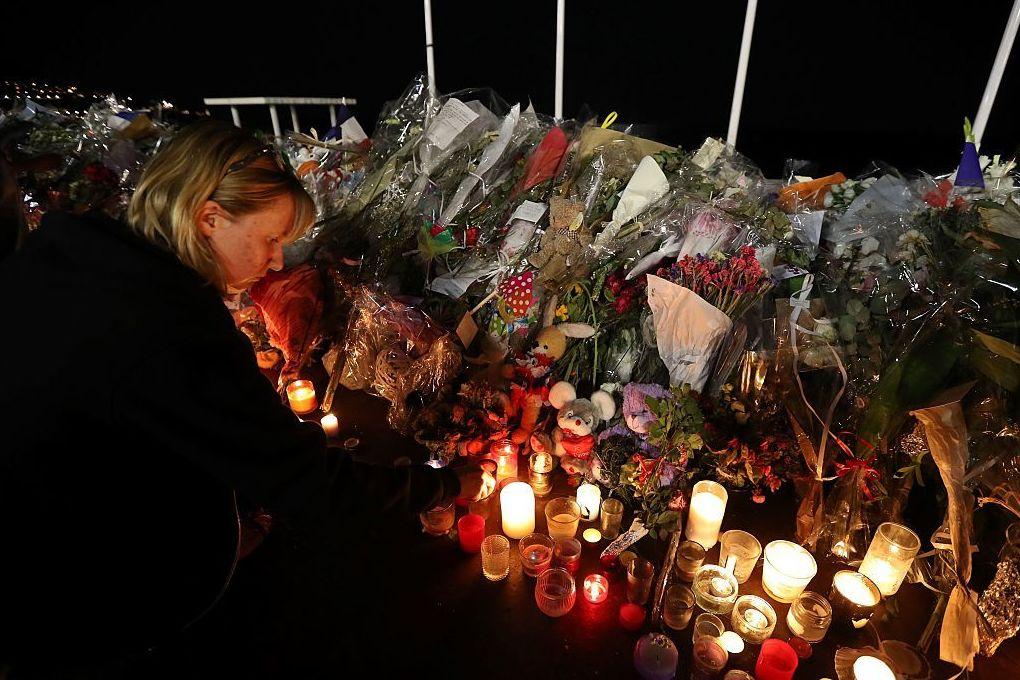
x,y
998,346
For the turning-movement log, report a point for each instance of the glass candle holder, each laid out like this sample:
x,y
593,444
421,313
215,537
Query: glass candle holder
x,y
709,657
690,555
438,521
854,597
776,661
889,556
753,619
504,452
809,617
541,463
639,580
715,589
589,498
495,557
567,554
517,503
536,553
612,518
555,592
739,552
656,657
707,625
561,516
591,535
708,505
471,533
787,570
596,588
678,606
301,397
631,617
482,506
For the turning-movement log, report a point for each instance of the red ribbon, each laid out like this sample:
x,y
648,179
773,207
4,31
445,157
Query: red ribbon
x,y
868,473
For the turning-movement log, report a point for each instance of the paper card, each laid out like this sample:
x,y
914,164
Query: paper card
x,y
351,130
785,271
529,211
451,121
467,329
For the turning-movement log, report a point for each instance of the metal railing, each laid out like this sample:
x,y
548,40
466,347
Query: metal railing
x,y
273,102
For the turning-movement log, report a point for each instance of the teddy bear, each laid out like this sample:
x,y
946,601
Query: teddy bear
x,y
573,438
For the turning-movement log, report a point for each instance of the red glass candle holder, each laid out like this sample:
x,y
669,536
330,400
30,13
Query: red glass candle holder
x,y
471,533
631,617
596,588
776,661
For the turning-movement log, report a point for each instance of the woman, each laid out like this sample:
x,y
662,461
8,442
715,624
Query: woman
x,y
133,409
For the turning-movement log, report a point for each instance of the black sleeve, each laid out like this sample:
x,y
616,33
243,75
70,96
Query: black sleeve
x,y
206,399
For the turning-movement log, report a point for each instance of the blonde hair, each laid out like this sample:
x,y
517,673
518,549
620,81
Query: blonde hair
x,y
210,161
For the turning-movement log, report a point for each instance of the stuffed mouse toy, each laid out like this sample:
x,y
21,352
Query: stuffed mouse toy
x,y
573,438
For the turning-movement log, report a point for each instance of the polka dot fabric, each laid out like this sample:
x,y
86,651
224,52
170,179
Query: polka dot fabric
x,y
516,293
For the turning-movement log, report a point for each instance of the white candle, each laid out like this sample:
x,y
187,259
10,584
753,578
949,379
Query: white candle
x,y
872,668
592,535
731,642
854,589
889,556
301,395
708,505
518,507
589,497
330,425
787,570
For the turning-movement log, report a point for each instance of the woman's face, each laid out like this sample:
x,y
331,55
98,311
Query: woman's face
x,y
247,247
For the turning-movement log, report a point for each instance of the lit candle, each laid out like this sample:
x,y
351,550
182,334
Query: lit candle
x,y
631,616
854,588
787,570
589,497
541,463
596,588
731,642
854,597
301,396
708,505
889,556
518,508
592,535
471,533
872,668
505,454
753,619
330,425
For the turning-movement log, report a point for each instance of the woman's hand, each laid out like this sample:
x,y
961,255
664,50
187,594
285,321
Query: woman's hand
x,y
474,482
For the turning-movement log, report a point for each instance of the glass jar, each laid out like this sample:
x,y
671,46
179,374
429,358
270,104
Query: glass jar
x,y
689,558
787,570
562,515
678,606
889,556
612,518
715,589
536,553
809,617
438,521
739,550
555,592
753,619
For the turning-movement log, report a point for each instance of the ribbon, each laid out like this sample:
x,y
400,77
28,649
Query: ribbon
x,y
854,465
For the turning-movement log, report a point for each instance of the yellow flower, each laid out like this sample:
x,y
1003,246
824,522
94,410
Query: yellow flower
x,y
561,312
576,289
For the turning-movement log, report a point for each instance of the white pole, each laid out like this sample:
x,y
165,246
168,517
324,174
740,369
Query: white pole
x,y
332,115
738,87
276,121
561,21
293,119
236,115
429,56
992,88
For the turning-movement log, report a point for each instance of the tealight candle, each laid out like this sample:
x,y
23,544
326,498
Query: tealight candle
x,y
541,463
753,619
596,588
592,535
854,597
330,425
518,509
889,556
505,454
301,396
589,497
708,505
872,668
715,589
731,642
787,570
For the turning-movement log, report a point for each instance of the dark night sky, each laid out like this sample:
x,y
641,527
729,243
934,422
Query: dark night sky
x,y
838,83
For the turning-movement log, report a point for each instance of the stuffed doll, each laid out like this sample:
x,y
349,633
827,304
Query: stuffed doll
x,y
573,438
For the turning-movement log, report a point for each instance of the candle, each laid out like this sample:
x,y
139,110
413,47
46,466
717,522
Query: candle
x,y
656,657
776,661
715,589
541,462
471,533
596,588
709,657
809,617
889,556
872,668
505,454
631,617
536,553
731,642
592,535
738,553
689,558
787,571
301,396
589,497
854,597
753,619
518,509
330,425
708,504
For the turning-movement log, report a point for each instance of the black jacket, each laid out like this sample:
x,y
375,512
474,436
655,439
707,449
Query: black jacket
x,y
125,385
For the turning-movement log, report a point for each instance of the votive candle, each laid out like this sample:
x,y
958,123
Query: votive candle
x,y
504,452
889,556
854,597
787,570
776,661
517,501
301,396
330,425
596,588
708,505
592,535
656,657
753,619
872,668
471,533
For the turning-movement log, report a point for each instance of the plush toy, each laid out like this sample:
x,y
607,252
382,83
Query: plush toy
x,y
573,438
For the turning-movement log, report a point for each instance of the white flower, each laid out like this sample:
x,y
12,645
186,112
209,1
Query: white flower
x,y
869,245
